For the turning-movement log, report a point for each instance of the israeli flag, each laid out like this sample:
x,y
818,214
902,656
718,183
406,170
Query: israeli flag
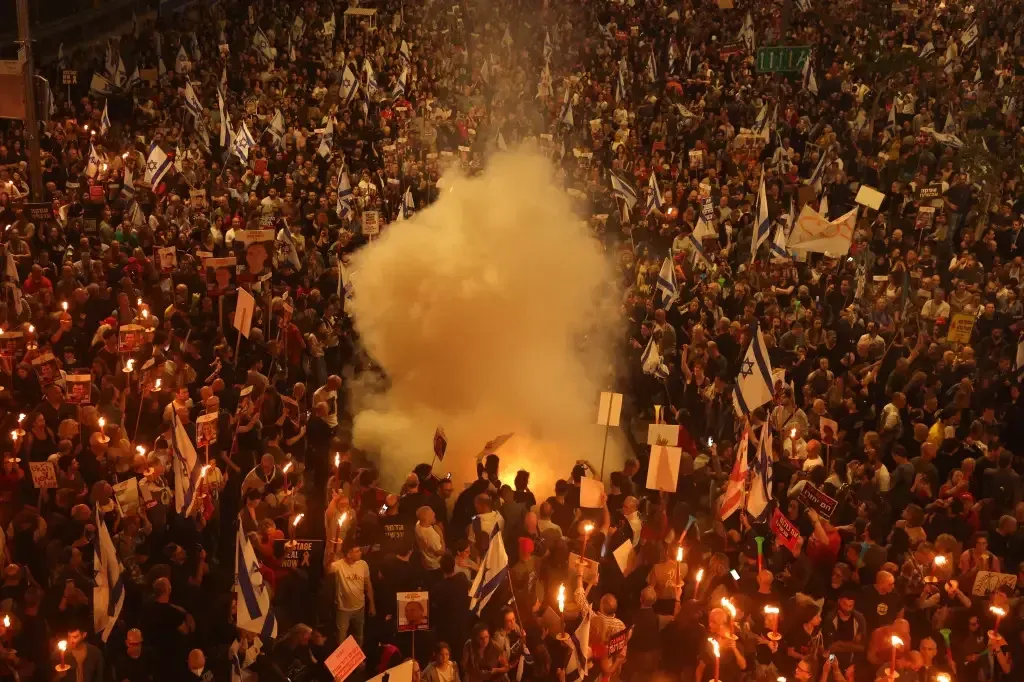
x,y
761,482
104,120
667,283
277,127
819,172
120,73
747,34
696,239
651,361
404,53
754,384
180,60
92,169
128,184
778,246
348,84
372,89
566,116
244,142
761,226
287,245
622,189
186,468
408,205
326,140
192,104
108,593
761,122
654,198
344,207
493,571
133,80
399,90
579,653
254,611
652,67
157,166
225,123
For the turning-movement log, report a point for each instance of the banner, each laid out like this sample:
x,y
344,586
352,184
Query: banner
x,y
817,500
785,531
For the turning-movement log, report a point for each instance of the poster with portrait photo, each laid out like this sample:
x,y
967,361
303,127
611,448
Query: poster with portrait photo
x,y
220,275
46,368
12,344
206,430
78,389
130,338
259,255
167,257
413,611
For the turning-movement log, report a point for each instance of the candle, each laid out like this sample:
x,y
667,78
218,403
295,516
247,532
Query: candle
x,y
341,521
298,520
588,528
718,655
792,434
896,643
145,313
7,621
770,611
156,386
696,586
31,329
141,451
62,645
561,599
337,460
139,301
727,605
64,305
21,418
679,565
998,613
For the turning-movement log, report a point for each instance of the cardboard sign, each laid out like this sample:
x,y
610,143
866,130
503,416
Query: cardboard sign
x,y
440,443
44,475
925,217
197,198
817,500
12,344
590,567
127,495
371,223
167,257
245,306
663,468
663,434
298,553
96,193
960,328
46,368
206,430
696,158
39,212
78,389
932,191
130,338
345,659
69,77
591,491
220,275
784,530
829,430
609,409
870,197
413,611
617,642
988,582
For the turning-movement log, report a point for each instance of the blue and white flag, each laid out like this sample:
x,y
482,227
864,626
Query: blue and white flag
x,y
108,593
493,571
244,142
819,172
105,120
372,89
225,122
651,361
403,52
134,80
747,34
652,66
128,184
754,384
761,122
326,140
400,85
120,73
566,116
667,283
778,246
344,207
186,468
579,653
697,237
92,169
408,205
286,245
157,166
254,611
348,84
192,104
262,44
761,225
277,128
761,482
623,190
654,198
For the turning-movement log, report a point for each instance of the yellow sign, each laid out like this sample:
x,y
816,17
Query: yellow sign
x,y
960,328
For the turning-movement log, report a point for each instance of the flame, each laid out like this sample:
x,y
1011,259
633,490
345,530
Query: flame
x,y
64,305
141,450
7,621
102,422
700,574
157,384
940,560
769,610
62,645
202,472
997,612
588,528
337,460
714,645
21,417
287,468
31,329
679,554
145,313
139,301
14,435
727,605
342,519
942,677
298,520
561,598
130,365
896,641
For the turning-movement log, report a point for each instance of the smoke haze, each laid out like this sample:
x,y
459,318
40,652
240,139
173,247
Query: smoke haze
x,y
477,308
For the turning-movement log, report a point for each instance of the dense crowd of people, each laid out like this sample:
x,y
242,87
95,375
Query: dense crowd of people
x,y
832,372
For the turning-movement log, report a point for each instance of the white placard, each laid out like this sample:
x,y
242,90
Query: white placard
x,y
663,469
870,197
346,658
609,409
245,306
623,554
667,434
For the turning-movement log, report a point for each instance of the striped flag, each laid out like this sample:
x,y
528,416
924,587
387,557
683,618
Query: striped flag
x,y
732,499
622,189
761,225
186,467
761,483
754,385
254,611
192,104
105,120
157,166
348,84
108,592
651,361
579,653
286,244
654,198
667,283
493,571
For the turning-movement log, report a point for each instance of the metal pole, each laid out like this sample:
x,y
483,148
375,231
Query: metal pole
x,y
35,172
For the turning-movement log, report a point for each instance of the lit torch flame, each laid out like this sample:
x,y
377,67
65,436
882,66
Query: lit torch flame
x,y
896,641
679,554
561,598
298,520
62,645
727,605
7,621
714,645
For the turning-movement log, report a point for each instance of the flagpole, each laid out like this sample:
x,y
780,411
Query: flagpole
x,y
607,428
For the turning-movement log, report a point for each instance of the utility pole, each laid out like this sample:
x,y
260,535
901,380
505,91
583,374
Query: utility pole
x,y
35,171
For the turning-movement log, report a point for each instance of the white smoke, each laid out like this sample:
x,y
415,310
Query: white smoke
x,y
489,312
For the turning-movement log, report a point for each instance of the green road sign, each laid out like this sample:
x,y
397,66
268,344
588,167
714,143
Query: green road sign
x,y
774,59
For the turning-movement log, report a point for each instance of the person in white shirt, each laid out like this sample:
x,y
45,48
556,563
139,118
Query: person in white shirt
x,y
936,307
328,393
813,452
429,539
354,592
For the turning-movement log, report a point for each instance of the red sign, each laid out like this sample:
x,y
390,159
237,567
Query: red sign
x,y
784,530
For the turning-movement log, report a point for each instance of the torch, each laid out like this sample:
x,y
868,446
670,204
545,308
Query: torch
x,y
588,528
728,606
937,563
284,473
62,646
696,586
773,611
679,565
718,656
896,644
101,422
563,636
998,613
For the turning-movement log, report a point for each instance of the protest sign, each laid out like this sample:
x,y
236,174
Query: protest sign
x,y
46,368
663,468
298,553
617,642
206,430
371,223
817,500
440,443
413,611
130,338
870,197
345,659
78,389
663,434
609,409
987,582
44,475
197,198
960,328
167,257
829,428
245,306
127,495
787,533
220,275
590,567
